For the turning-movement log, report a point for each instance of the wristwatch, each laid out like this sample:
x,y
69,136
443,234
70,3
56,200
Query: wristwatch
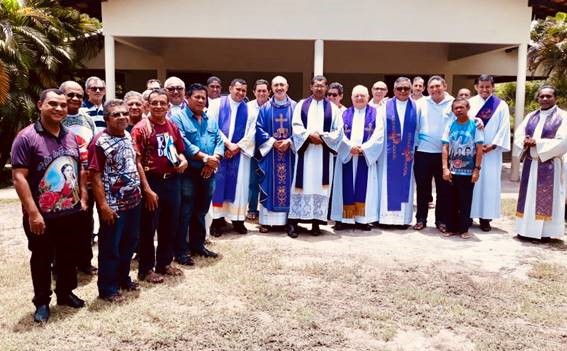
x,y
206,159
477,167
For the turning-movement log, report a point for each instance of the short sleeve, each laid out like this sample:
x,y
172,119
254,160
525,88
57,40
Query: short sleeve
x,y
179,146
446,132
479,136
21,152
97,158
138,139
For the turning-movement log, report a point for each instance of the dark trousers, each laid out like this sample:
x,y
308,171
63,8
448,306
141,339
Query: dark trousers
x,y
460,200
59,242
427,166
196,196
165,219
86,233
253,188
116,244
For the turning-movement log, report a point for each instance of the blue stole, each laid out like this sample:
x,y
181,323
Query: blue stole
x,y
226,177
354,198
400,149
488,109
327,120
275,170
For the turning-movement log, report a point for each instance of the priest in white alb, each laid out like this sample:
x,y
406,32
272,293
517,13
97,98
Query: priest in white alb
x,y
230,199
495,116
542,137
317,128
355,186
395,165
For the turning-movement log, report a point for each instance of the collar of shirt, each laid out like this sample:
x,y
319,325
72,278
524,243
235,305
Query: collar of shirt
x,y
41,130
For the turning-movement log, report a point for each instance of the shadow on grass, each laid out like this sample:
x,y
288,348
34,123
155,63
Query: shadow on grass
x,y
85,279
57,314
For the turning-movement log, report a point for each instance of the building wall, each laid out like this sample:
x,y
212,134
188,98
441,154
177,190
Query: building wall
x,y
447,21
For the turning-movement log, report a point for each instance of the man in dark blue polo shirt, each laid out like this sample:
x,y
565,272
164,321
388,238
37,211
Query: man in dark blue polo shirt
x,y
204,149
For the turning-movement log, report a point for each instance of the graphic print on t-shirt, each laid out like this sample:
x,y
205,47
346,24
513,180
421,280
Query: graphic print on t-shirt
x,y
59,187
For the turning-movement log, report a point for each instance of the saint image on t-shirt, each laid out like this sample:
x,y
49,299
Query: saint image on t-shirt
x,y
59,187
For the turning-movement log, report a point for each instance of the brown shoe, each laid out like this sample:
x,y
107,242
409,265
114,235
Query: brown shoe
x,y
151,277
169,270
114,298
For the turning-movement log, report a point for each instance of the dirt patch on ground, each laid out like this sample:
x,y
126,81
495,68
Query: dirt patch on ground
x,y
379,290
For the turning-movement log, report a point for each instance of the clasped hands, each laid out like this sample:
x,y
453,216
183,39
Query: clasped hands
x,y
282,145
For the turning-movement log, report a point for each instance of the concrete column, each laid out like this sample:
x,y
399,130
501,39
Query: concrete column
x,y
161,72
318,57
109,66
520,101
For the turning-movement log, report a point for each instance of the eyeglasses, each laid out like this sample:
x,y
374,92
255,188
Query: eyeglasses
x,y
119,114
159,103
74,95
172,89
403,88
332,94
97,88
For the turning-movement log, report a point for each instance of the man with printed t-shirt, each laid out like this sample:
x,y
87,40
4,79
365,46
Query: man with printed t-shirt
x,y
50,181
159,150
116,187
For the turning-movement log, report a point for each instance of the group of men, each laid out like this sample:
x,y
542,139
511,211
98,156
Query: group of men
x,y
170,159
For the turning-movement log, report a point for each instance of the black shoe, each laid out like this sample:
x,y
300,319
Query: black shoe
x,y
215,232
291,231
339,226
364,227
205,253
185,260
315,230
70,300
238,226
485,225
41,314
88,270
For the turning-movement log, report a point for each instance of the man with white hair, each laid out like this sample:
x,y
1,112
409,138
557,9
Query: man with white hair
x,y
95,89
379,95
396,163
275,156
175,89
355,186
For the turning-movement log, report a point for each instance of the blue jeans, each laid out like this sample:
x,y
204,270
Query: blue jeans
x,y
116,245
165,219
196,196
253,187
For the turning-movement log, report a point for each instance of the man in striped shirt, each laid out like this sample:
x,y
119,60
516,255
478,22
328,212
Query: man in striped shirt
x,y
95,89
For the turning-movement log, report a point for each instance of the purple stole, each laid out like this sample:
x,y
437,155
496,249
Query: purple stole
x,y
354,198
226,177
275,170
399,150
487,110
327,119
545,170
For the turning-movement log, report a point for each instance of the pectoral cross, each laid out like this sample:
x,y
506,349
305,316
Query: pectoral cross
x,y
281,132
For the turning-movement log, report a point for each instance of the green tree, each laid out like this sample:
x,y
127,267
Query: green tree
x,y
548,46
41,44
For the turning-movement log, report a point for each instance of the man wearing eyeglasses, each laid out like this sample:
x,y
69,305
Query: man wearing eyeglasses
x,y
175,89
335,95
435,114
159,150
395,164
379,95
355,186
232,180
49,178
96,89
81,124
116,187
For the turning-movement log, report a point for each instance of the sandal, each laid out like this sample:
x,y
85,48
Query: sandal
x,y
447,234
442,227
419,226
263,229
152,277
251,216
466,235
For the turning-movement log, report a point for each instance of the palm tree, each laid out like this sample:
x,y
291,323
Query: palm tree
x,y
548,47
41,44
